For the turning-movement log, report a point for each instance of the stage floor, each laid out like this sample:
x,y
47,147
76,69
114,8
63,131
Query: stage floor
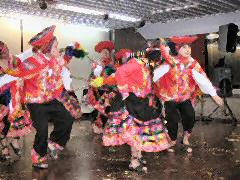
x,y
216,155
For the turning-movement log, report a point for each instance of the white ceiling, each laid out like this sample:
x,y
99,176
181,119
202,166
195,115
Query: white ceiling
x,y
150,11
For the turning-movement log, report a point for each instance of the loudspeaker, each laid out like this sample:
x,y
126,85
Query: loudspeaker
x,y
227,40
222,78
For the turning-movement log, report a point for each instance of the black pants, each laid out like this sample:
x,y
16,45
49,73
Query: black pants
x,y
176,111
6,126
5,100
62,121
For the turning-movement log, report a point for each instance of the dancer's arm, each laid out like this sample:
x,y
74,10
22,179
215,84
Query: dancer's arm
x,y
27,69
206,86
66,79
165,54
160,71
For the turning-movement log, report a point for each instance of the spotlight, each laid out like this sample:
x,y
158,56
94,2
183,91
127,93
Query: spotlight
x,y
142,23
42,4
105,17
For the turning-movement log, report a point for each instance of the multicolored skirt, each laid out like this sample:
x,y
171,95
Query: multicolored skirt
x,y
20,124
148,136
71,104
112,135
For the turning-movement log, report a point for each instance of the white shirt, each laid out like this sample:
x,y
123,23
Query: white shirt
x,y
66,77
26,54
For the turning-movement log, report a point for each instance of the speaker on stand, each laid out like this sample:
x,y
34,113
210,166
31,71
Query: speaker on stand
x,y
223,75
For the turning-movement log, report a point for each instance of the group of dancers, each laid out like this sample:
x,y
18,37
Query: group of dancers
x,y
132,96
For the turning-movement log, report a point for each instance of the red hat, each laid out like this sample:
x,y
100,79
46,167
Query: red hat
x,y
123,53
183,39
44,37
104,45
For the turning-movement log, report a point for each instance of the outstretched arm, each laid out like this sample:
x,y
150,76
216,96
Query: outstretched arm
x,y
206,86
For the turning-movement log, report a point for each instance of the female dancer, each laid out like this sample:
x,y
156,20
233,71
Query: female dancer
x,y
14,120
177,83
43,87
143,129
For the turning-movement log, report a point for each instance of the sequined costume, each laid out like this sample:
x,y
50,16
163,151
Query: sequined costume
x,y
43,86
178,82
142,129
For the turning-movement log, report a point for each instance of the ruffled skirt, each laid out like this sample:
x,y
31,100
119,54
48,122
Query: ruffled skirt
x,y
112,135
148,136
20,124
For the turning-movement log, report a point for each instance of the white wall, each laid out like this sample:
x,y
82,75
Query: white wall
x,y
206,24
66,33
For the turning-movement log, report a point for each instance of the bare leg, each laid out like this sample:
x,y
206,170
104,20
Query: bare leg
x,y
135,164
186,142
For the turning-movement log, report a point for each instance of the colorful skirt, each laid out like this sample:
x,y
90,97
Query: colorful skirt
x,y
71,104
20,124
148,136
112,135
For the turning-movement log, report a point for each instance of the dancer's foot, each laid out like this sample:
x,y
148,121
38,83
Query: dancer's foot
x,y
186,142
172,145
136,165
54,149
40,165
5,153
142,161
38,161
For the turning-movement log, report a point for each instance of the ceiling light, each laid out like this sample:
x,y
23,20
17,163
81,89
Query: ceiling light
x,y
177,8
27,1
97,13
123,17
238,33
78,9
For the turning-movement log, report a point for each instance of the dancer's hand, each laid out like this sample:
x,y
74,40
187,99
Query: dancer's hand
x,y
218,100
3,65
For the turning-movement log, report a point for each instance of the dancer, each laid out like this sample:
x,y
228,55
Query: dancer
x,y
116,111
143,129
177,83
15,121
43,85
104,68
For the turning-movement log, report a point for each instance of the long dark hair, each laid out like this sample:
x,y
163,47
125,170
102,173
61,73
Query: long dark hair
x,y
173,49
